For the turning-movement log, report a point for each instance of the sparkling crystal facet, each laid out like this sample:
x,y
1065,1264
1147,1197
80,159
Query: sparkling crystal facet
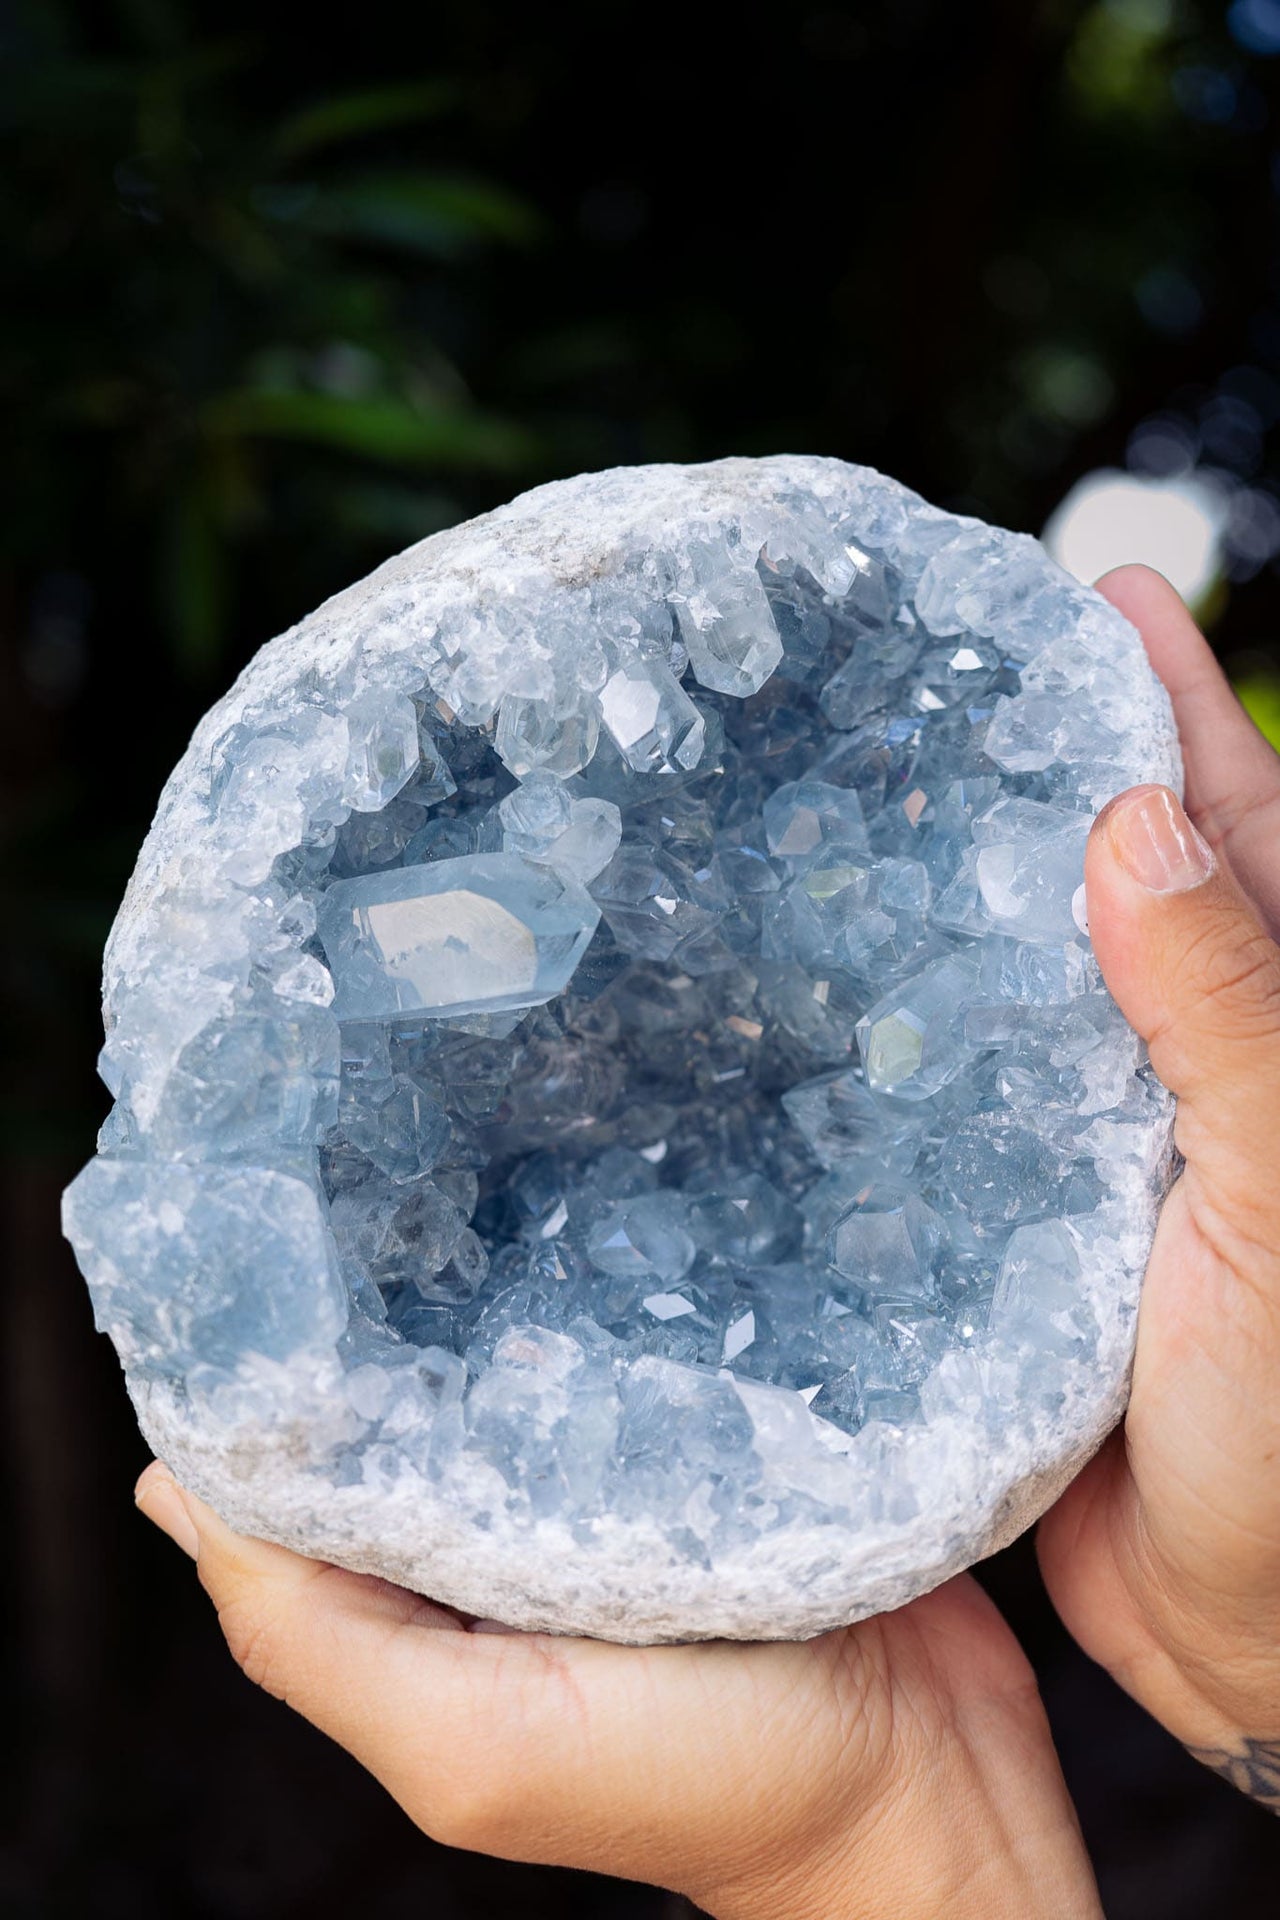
x,y
477,935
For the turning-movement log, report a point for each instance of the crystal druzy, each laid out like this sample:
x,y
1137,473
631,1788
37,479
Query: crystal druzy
x,y
617,1121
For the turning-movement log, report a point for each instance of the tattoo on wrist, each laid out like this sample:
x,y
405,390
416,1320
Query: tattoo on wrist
x,y
1253,1767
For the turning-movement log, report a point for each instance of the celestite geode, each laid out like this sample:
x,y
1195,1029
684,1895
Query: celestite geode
x,y
618,1124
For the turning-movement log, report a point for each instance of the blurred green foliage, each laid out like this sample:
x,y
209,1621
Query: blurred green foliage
x,y
217,288
288,296
292,295
1260,695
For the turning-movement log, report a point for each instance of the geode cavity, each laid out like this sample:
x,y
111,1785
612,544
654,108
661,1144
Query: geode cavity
x,y
618,1124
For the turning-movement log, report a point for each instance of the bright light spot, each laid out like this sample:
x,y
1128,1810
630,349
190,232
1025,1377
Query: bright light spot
x,y
668,1306
740,1336
1110,518
1254,534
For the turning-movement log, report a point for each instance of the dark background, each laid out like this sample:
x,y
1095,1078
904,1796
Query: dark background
x,y
282,296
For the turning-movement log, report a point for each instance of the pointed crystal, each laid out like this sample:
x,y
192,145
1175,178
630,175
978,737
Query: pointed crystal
x,y
485,933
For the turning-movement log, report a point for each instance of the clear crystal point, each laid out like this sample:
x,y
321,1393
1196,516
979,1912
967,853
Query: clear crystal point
x,y
478,935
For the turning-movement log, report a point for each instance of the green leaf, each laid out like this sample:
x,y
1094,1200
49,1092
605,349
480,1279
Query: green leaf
x,y
1260,696
376,429
434,214
350,115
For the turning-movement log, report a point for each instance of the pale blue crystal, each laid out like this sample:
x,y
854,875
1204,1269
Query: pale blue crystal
x,y
646,1235
195,1265
913,1041
748,1221
725,621
252,1082
628,1015
1037,1296
542,821
482,934
1028,867
806,818
1001,1172
532,736
649,717
383,751
443,837
838,1116
888,1241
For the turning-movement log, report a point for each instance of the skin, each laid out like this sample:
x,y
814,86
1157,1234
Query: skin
x,y
904,1766
1164,1557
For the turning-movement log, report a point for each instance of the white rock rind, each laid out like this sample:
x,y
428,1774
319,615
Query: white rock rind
x,y
628,1587
793,1585
630,1592
623,1583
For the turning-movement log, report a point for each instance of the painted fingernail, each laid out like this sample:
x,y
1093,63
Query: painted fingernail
x,y
159,1496
1155,842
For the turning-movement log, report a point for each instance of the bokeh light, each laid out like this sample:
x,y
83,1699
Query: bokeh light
x,y
1255,24
1110,518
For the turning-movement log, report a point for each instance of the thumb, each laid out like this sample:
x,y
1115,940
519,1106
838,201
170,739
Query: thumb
x,y
1194,971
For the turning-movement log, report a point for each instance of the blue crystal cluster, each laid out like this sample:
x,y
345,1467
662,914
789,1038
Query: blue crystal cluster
x,y
628,988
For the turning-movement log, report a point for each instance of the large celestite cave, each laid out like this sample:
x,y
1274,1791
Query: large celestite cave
x,y
618,1123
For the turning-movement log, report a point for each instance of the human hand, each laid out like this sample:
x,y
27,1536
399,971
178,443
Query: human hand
x,y
898,1768
1163,1558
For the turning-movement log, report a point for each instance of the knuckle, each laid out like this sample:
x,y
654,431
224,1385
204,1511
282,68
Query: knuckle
x,y
1240,979
515,1777
475,1809
1225,989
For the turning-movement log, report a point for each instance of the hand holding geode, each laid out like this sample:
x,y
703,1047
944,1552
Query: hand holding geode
x,y
617,1123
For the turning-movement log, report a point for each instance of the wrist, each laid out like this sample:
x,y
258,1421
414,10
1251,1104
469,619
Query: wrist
x,y
1208,1670
1223,1705
958,1849
1209,1688
1192,1635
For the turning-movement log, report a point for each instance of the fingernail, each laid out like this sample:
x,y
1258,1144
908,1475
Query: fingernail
x,y
159,1497
1155,842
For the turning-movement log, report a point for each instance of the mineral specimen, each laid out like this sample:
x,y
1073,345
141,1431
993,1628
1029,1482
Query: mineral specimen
x,y
618,1124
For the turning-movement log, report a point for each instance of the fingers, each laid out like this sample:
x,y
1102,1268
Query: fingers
x,y
1193,969
1233,776
756,1779
522,1745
